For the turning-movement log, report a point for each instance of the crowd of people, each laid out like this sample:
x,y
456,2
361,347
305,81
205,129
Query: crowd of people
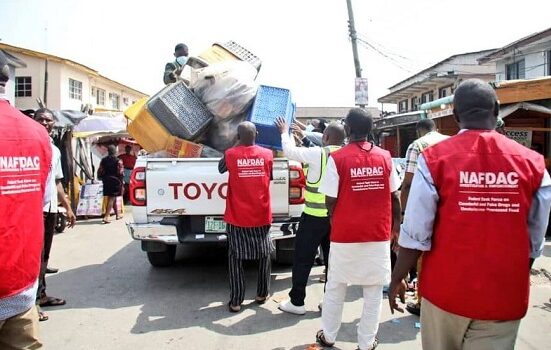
x,y
473,256
470,219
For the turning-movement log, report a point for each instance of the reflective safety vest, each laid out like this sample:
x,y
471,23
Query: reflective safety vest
x,y
314,200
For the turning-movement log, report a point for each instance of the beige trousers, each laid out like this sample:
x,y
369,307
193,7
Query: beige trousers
x,y
20,332
447,331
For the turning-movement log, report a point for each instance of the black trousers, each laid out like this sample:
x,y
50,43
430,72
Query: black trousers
x,y
50,220
312,232
237,279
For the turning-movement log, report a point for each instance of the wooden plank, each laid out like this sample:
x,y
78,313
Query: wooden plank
x,y
529,90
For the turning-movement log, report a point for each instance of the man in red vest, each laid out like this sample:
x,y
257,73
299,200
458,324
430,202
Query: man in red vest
x,y
25,157
361,189
248,213
478,208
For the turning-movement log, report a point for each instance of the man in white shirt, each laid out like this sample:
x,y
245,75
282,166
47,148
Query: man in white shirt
x,y
314,227
361,189
57,195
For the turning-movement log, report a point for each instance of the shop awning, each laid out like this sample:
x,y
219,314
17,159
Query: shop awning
x,y
96,125
399,120
524,106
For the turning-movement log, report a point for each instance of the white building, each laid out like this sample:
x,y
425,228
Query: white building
x,y
438,81
526,58
64,84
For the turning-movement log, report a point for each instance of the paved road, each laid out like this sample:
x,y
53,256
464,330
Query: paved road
x,y
115,300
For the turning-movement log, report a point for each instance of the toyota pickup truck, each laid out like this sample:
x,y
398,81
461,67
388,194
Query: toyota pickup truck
x,y
182,201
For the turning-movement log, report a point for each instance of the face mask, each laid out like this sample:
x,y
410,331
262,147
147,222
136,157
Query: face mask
x,y
182,60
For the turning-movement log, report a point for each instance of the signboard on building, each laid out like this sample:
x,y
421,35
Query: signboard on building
x,y
524,137
439,113
361,91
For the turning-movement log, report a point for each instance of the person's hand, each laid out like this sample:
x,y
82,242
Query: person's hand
x,y
395,235
281,125
298,131
71,218
396,289
178,71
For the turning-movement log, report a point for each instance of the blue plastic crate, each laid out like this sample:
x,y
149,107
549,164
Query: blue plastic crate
x,y
269,104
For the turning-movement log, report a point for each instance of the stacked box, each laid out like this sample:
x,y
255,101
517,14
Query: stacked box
x,y
178,109
271,103
179,148
230,51
147,131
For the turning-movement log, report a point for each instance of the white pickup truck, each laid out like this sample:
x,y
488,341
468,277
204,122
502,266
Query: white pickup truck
x,y
182,200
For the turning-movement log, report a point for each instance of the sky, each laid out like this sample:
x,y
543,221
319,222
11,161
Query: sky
x,y
303,44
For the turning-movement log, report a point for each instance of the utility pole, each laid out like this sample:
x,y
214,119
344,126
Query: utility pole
x,y
353,37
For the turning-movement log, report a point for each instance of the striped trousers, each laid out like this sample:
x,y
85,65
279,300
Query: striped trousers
x,y
248,244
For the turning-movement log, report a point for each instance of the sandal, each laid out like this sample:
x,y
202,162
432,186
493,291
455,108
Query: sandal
x,y
105,222
233,309
42,316
375,343
51,301
414,308
261,300
320,338
119,217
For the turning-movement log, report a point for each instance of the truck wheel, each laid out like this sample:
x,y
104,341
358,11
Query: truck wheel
x,y
162,259
285,249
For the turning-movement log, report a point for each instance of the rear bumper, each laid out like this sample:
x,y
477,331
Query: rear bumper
x,y
153,232
168,234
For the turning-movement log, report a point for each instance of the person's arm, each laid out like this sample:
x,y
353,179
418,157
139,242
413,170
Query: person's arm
x,y
62,198
329,185
538,218
300,154
412,154
169,75
222,167
394,186
416,230
315,137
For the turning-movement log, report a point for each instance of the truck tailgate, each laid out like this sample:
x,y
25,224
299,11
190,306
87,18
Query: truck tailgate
x,y
195,187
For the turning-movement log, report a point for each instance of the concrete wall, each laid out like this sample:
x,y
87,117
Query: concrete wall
x,y
9,93
59,74
536,61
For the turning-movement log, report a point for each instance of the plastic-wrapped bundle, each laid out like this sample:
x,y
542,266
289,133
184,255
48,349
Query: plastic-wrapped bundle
x,y
226,88
222,133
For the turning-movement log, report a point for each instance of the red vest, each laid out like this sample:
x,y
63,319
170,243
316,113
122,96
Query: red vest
x,y
478,266
248,201
363,209
25,160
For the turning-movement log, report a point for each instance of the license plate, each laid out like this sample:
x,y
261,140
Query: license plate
x,y
214,225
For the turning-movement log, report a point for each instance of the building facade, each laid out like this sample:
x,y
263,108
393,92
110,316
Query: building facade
x,y
64,84
428,94
526,58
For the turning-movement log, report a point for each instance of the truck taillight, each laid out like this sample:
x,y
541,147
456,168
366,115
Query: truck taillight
x,y
137,187
297,182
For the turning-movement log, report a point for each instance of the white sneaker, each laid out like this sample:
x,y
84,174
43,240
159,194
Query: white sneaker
x,y
287,306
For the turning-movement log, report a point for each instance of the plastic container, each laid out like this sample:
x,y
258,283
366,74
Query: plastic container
x,y
177,147
271,103
178,109
148,132
230,51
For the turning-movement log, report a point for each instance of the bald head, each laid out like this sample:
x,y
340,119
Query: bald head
x,y
475,105
334,134
246,132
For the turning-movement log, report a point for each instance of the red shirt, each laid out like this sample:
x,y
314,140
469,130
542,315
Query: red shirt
x,y
478,264
364,194
128,160
248,200
25,161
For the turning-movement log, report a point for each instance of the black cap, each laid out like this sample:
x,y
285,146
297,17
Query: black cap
x,y
180,46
